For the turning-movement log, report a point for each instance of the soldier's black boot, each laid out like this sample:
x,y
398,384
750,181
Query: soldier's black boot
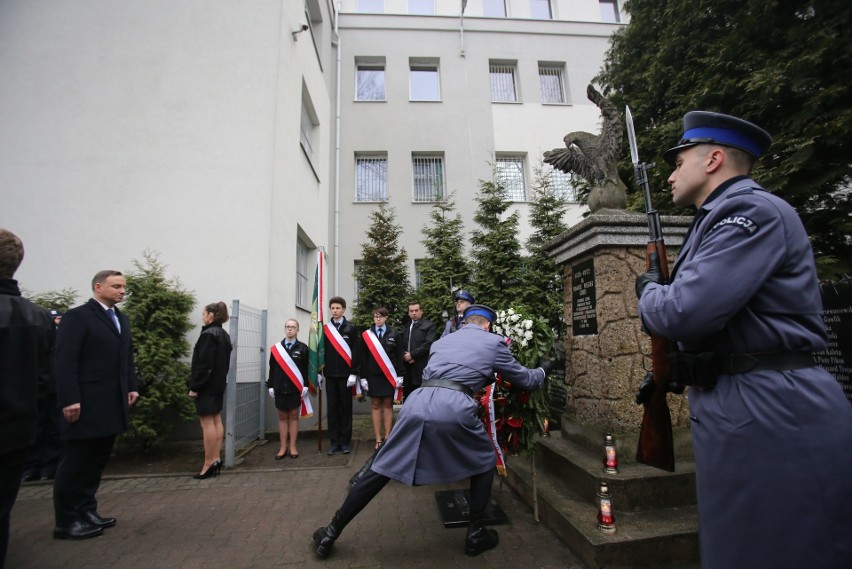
x,y
324,538
479,538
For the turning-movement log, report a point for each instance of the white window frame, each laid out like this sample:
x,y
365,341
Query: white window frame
x,y
421,7
363,68
418,276
308,127
610,13
504,78
428,177
511,172
371,176
302,256
537,7
551,77
370,6
426,69
494,8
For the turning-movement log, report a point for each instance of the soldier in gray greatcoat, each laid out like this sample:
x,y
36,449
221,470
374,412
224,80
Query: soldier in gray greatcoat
x,y
439,437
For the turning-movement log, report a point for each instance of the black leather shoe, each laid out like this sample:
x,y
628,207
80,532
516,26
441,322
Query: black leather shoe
x,y
96,520
77,530
346,449
29,476
334,450
479,539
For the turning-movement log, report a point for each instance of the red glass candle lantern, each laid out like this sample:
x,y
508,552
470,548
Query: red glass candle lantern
x,y
606,518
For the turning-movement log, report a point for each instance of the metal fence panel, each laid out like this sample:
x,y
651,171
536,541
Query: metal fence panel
x,y
244,404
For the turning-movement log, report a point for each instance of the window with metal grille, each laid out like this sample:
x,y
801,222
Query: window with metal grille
x,y
552,86
540,10
494,8
301,273
510,173
425,83
609,11
370,82
371,177
502,82
562,185
428,177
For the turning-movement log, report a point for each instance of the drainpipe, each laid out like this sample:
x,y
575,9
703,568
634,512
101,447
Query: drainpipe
x,y
337,155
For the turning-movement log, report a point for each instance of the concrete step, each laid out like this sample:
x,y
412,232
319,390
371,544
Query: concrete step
x,y
659,537
638,487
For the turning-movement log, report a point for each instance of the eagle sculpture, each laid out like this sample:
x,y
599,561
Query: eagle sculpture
x,y
594,157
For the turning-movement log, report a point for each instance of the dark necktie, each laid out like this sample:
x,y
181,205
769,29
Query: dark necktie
x,y
114,319
381,333
337,324
289,346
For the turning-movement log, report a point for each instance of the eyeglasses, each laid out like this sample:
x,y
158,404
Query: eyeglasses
x,y
379,316
291,327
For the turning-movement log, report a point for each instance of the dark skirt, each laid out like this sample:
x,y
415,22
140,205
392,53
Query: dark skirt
x,y
208,404
288,401
379,387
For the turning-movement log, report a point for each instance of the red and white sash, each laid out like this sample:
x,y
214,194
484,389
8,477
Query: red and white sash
x,y
279,352
491,428
340,345
381,357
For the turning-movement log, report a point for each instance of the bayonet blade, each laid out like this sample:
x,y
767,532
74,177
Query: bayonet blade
x,y
631,136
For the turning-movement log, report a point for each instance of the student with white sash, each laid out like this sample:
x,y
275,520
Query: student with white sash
x,y
381,370
288,385
342,363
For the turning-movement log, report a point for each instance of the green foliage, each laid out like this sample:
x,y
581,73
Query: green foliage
x,y
382,275
159,318
445,268
542,280
781,64
497,262
61,300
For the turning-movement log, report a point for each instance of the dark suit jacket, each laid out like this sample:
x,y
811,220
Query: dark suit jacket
x,y
93,366
421,336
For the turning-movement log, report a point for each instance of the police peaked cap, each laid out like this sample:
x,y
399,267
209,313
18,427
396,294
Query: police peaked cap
x,y
464,295
480,310
704,127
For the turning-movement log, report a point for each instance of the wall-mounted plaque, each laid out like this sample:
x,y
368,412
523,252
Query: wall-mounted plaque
x,y
837,313
583,300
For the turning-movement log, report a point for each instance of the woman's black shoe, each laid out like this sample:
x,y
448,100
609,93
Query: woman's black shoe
x,y
212,470
282,456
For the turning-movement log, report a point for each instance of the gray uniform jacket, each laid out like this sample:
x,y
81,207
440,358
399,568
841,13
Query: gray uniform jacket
x,y
771,447
438,437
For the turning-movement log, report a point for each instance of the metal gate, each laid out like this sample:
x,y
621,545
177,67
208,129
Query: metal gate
x,y
244,403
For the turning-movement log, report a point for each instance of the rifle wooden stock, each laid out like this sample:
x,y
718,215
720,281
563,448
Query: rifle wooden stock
x,y
656,440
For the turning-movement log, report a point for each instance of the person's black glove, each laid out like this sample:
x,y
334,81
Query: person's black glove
x,y
646,388
546,365
654,275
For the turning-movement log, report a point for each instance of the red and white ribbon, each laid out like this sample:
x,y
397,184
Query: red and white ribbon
x,y
291,370
491,428
381,357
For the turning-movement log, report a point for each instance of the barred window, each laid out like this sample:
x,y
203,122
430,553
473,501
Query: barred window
x,y
428,177
540,10
510,173
370,82
418,275
371,177
503,82
494,8
609,11
552,86
562,185
301,273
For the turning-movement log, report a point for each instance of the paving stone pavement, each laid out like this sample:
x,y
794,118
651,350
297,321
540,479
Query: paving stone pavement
x,y
264,519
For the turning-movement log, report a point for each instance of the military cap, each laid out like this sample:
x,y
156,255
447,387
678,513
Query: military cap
x,y
704,127
464,295
480,310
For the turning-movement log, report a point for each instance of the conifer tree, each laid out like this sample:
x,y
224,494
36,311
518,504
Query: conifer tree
x,y
445,268
496,252
158,309
543,281
382,275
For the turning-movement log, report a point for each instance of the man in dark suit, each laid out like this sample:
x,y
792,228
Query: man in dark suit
x,y
417,338
95,384
26,336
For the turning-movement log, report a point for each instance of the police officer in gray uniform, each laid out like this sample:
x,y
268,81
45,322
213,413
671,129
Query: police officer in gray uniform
x,y
772,432
439,437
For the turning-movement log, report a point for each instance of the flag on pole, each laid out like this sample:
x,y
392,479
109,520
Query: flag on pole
x,y
316,345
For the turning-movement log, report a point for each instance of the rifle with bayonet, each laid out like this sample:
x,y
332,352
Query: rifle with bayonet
x,y
656,441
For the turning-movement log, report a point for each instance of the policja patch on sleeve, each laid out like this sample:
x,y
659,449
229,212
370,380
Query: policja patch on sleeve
x,y
744,223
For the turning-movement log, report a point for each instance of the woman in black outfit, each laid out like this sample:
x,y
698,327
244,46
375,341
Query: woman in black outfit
x,y
210,362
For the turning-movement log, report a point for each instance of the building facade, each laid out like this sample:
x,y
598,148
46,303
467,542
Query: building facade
x,y
234,139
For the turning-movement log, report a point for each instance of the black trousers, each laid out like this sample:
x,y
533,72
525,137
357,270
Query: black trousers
x,y
339,410
78,478
372,483
11,468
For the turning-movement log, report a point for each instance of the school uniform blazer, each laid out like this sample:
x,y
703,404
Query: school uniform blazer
x,y
93,366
